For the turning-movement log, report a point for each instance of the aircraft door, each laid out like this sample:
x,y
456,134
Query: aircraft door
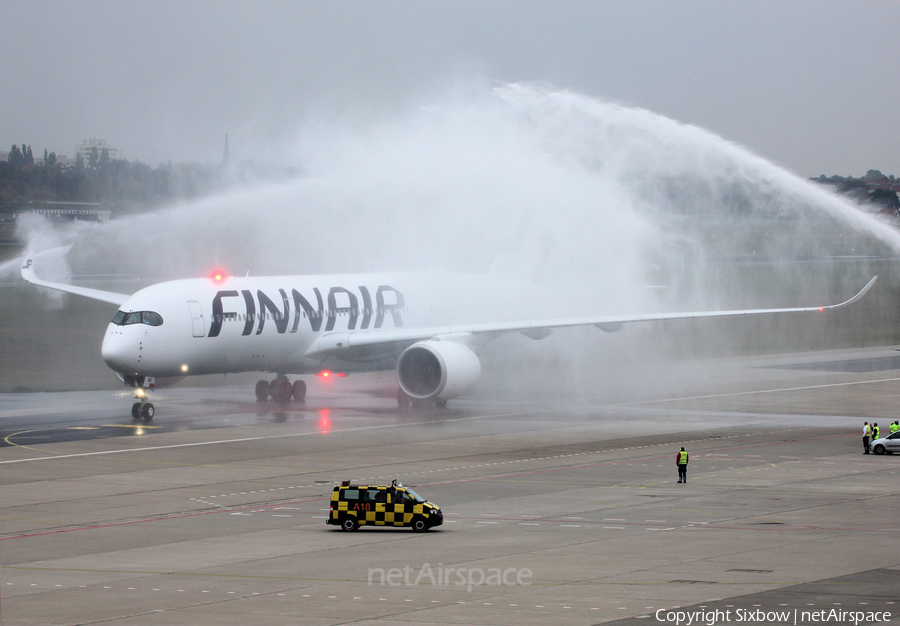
x,y
197,318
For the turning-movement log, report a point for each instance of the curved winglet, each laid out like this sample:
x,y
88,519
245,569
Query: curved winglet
x,y
856,297
29,275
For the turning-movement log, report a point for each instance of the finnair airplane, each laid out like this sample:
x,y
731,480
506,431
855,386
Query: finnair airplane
x,y
300,325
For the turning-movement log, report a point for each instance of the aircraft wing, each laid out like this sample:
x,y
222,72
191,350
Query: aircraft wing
x,y
29,274
348,343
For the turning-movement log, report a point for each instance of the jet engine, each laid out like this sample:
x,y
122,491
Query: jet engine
x,y
437,370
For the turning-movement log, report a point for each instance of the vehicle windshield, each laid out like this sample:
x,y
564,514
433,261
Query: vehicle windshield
x,y
415,496
150,318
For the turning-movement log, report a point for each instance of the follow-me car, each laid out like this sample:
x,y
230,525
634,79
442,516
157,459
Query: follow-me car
x,y
353,506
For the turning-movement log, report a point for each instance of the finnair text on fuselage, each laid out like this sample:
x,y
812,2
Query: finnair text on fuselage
x,y
341,301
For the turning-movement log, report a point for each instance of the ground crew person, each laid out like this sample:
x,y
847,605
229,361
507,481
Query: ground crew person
x,y
895,427
876,432
681,460
867,432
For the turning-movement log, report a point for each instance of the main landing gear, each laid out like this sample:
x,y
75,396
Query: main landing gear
x,y
280,389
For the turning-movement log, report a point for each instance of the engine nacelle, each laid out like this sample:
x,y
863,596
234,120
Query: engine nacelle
x,y
437,370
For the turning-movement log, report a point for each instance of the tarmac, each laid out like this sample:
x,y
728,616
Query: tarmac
x,y
562,512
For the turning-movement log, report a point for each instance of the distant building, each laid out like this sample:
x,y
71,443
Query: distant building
x,y
88,145
65,211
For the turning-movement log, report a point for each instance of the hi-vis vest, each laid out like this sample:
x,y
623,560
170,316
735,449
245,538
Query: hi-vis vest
x,y
894,428
877,432
682,458
868,431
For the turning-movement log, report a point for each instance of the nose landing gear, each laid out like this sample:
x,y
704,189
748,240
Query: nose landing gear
x,y
142,408
145,410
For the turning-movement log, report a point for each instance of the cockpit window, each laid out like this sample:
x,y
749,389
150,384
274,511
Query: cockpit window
x,y
150,318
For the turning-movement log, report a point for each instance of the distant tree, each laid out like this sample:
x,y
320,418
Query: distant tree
x,y
104,158
79,161
15,156
29,158
94,158
849,184
45,156
50,159
874,175
886,199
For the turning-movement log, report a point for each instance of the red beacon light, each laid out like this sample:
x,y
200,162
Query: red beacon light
x,y
326,374
218,275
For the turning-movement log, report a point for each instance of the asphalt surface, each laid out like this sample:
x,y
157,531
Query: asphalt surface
x,y
214,512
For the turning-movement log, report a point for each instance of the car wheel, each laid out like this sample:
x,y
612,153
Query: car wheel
x,y
419,525
879,449
349,524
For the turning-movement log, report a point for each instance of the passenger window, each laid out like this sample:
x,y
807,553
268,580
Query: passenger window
x,y
351,494
381,495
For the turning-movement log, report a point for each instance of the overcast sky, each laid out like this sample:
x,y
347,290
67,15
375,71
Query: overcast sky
x,y
812,86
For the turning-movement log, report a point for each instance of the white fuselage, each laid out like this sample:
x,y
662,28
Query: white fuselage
x,y
284,324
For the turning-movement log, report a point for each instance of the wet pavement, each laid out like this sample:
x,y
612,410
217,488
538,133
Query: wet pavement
x,y
215,511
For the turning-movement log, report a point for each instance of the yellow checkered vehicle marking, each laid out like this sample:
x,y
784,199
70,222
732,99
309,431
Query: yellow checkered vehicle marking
x,y
380,505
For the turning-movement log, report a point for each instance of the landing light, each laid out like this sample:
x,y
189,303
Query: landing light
x,y
140,393
184,367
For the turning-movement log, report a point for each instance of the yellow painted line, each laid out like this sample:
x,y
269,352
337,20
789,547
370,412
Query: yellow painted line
x,y
128,426
8,439
83,428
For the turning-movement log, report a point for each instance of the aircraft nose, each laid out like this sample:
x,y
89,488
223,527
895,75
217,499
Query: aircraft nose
x,y
115,351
